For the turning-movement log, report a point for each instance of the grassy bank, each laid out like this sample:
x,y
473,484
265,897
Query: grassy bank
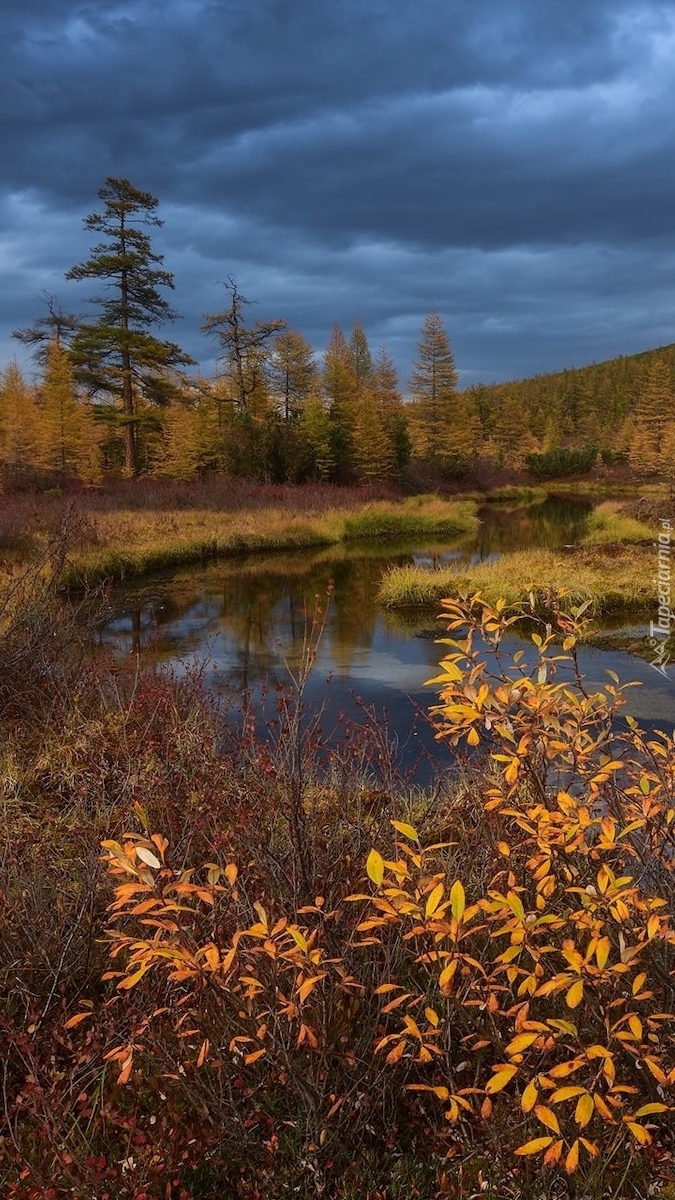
x,y
612,578
129,542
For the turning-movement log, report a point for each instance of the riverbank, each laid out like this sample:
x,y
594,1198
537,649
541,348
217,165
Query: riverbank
x,y
613,568
130,543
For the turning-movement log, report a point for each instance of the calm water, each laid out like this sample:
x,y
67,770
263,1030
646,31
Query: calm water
x,y
246,619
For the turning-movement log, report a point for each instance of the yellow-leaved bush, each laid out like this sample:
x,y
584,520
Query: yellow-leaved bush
x,y
532,994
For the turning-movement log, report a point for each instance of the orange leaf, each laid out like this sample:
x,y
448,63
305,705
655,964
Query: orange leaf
x,y
547,1117
572,1160
201,1057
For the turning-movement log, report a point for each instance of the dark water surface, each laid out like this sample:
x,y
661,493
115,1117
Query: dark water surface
x,y
248,618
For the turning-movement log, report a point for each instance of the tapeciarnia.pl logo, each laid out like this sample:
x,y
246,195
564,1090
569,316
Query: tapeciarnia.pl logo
x,y
660,631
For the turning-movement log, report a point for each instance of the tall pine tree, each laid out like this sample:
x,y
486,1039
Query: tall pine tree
x,y
117,354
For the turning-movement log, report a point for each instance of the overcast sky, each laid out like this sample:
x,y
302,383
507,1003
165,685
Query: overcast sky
x,y
509,163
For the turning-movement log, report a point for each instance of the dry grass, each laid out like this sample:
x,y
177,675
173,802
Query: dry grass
x,y
613,578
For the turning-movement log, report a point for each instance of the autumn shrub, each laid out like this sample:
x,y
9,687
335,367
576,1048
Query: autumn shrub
x,y
502,995
323,986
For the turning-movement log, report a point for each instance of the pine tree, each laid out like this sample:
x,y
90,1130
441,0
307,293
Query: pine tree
x,y
117,354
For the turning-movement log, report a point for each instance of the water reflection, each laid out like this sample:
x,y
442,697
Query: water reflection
x,y
249,618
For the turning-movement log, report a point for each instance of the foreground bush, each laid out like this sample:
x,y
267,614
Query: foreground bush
x,y
313,986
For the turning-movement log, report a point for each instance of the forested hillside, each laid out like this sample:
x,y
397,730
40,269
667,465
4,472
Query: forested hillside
x,y
112,397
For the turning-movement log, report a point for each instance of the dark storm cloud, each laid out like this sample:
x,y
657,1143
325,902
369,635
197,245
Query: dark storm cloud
x,y
506,161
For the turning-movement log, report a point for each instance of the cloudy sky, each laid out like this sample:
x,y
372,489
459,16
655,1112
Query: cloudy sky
x,y
509,163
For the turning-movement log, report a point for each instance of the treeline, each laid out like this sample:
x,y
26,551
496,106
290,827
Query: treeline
x,y
113,397
624,408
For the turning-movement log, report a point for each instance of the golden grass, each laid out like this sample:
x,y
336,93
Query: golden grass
x,y
622,579
607,523
132,542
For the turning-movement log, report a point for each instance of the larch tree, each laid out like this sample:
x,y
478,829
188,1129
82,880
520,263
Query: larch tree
x,y
70,435
244,349
118,355
433,386
654,413
56,327
389,401
293,372
361,358
20,426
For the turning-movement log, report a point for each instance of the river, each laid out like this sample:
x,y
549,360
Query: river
x,y
243,622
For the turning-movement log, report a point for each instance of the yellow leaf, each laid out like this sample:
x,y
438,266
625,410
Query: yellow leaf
x,y
375,867
656,1070
446,975
457,900
231,872
433,900
407,830
432,1017
473,737
572,1160
520,1043
565,1093
299,939
130,981
575,994
641,1135
584,1110
500,1079
602,952
529,1097
635,1025
504,848
547,1117
652,1108
535,1146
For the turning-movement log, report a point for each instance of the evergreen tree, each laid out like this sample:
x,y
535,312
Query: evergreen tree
x,y
293,372
244,348
117,354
